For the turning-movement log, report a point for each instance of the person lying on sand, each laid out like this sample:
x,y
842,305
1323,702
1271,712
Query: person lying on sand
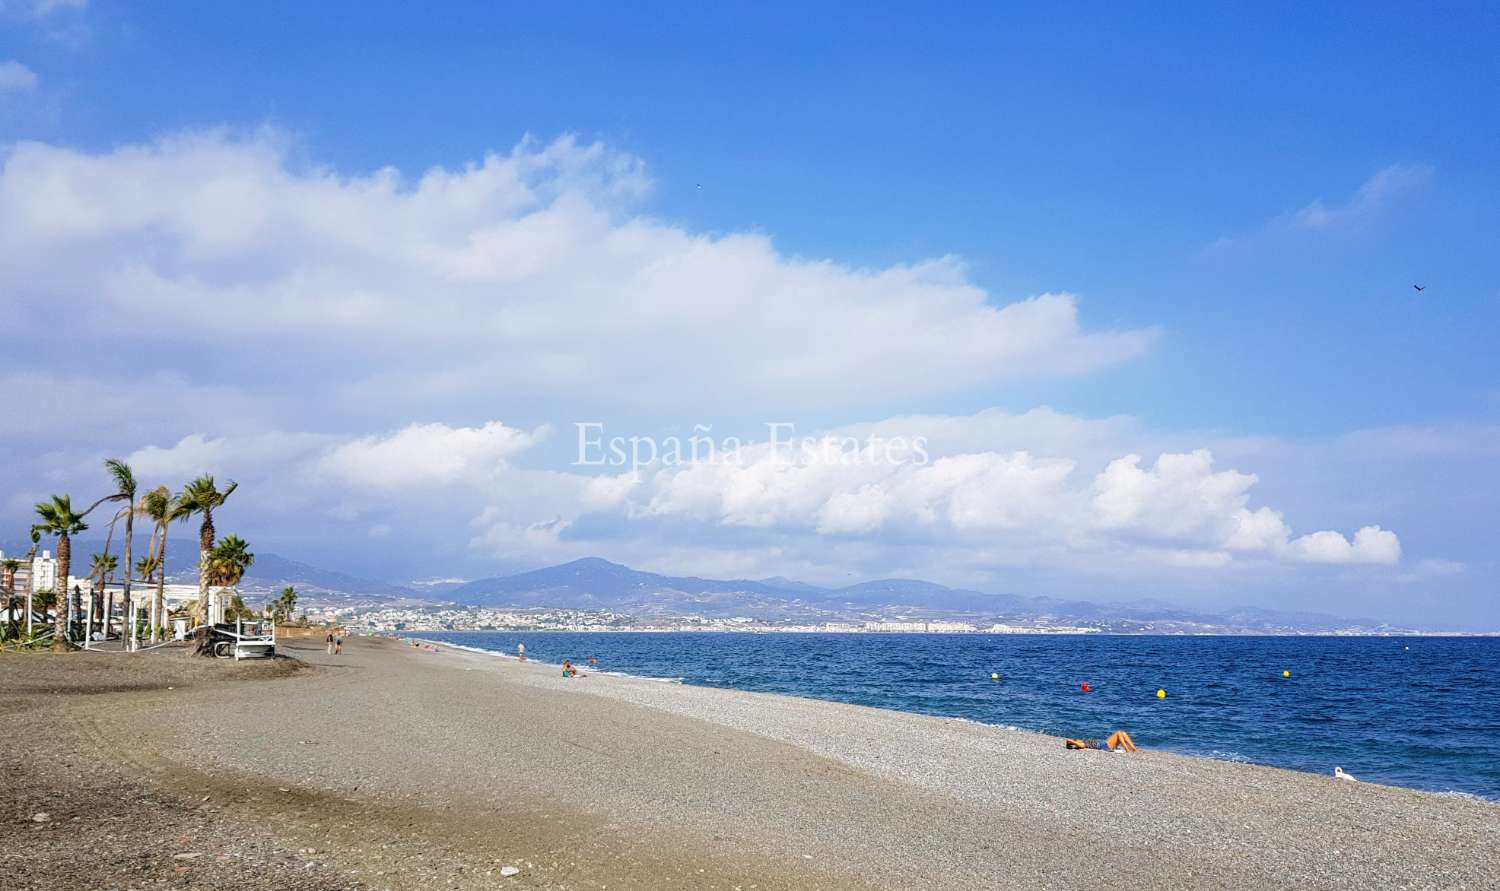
x,y
1119,741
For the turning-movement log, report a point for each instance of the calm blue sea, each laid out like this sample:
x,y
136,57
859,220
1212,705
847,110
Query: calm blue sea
x,y
1421,712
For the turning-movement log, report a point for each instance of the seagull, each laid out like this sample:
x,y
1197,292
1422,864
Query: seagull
x,y
1339,772
1420,288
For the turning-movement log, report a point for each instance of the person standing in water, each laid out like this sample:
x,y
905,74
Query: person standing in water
x,y
521,652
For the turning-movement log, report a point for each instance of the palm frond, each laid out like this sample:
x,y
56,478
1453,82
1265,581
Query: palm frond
x,y
123,476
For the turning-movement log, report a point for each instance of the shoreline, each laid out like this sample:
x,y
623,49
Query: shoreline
x,y
404,768
1231,758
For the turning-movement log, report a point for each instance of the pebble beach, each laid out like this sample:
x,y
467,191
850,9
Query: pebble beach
x,y
399,766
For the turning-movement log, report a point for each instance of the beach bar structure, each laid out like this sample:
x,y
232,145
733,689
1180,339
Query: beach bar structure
x,y
125,616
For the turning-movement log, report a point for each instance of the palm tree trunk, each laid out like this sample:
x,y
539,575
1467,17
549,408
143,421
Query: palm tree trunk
x,y
205,545
129,567
160,604
60,588
10,603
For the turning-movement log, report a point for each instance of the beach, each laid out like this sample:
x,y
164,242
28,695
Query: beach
x,y
393,766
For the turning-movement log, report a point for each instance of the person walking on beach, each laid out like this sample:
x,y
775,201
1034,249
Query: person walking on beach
x,y
329,641
521,652
338,645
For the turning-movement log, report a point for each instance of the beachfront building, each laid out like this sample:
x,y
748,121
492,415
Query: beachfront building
x,y
44,572
922,627
175,598
142,593
38,575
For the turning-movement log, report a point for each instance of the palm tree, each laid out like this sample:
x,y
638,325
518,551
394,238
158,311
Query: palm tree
x,y
8,568
229,560
287,604
226,566
59,519
202,496
162,508
125,487
101,569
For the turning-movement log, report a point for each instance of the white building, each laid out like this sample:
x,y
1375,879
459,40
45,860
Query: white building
x,y
142,593
922,627
40,576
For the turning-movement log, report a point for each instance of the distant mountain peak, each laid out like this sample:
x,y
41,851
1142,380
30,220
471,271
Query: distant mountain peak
x,y
596,583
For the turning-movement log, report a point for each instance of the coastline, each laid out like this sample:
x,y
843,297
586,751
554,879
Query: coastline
x,y
1329,714
1165,791
407,768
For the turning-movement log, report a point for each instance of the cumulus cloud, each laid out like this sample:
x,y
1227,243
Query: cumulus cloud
x,y
1178,509
529,270
834,497
282,324
427,454
1370,545
16,78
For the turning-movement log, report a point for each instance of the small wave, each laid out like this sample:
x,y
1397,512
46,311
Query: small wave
x,y
958,720
1467,796
638,677
453,646
1236,757
501,655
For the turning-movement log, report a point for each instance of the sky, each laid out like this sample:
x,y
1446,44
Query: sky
x,y
1139,285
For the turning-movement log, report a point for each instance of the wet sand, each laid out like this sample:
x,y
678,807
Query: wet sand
x,y
404,768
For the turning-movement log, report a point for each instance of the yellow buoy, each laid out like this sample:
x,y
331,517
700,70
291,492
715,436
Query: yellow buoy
x,y
1161,694
1286,674
994,675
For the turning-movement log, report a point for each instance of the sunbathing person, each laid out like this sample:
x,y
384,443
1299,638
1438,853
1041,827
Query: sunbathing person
x,y
568,670
1119,741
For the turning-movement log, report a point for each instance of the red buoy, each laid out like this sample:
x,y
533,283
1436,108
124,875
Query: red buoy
x,y
1085,686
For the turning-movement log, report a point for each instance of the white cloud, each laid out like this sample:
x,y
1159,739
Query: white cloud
x,y
16,78
1179,495
962,517
226,456
1257,530
1370,545
39,9
1367,202
529,270
427,454
1369,198
863,510
1179,510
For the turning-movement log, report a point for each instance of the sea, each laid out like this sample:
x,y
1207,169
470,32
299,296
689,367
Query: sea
x,y
1422,712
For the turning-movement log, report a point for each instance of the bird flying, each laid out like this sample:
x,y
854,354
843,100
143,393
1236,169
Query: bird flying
x,y
1420,288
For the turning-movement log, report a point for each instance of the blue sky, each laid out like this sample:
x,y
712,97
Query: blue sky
x,y
1245,196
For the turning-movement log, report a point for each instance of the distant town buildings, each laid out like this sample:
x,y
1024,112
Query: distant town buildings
x,y
922,627
428,617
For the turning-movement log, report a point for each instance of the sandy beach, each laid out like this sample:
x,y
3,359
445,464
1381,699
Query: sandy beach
x,y
398,767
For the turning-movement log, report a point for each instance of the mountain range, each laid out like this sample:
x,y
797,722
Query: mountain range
x,y
593,583
597,584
